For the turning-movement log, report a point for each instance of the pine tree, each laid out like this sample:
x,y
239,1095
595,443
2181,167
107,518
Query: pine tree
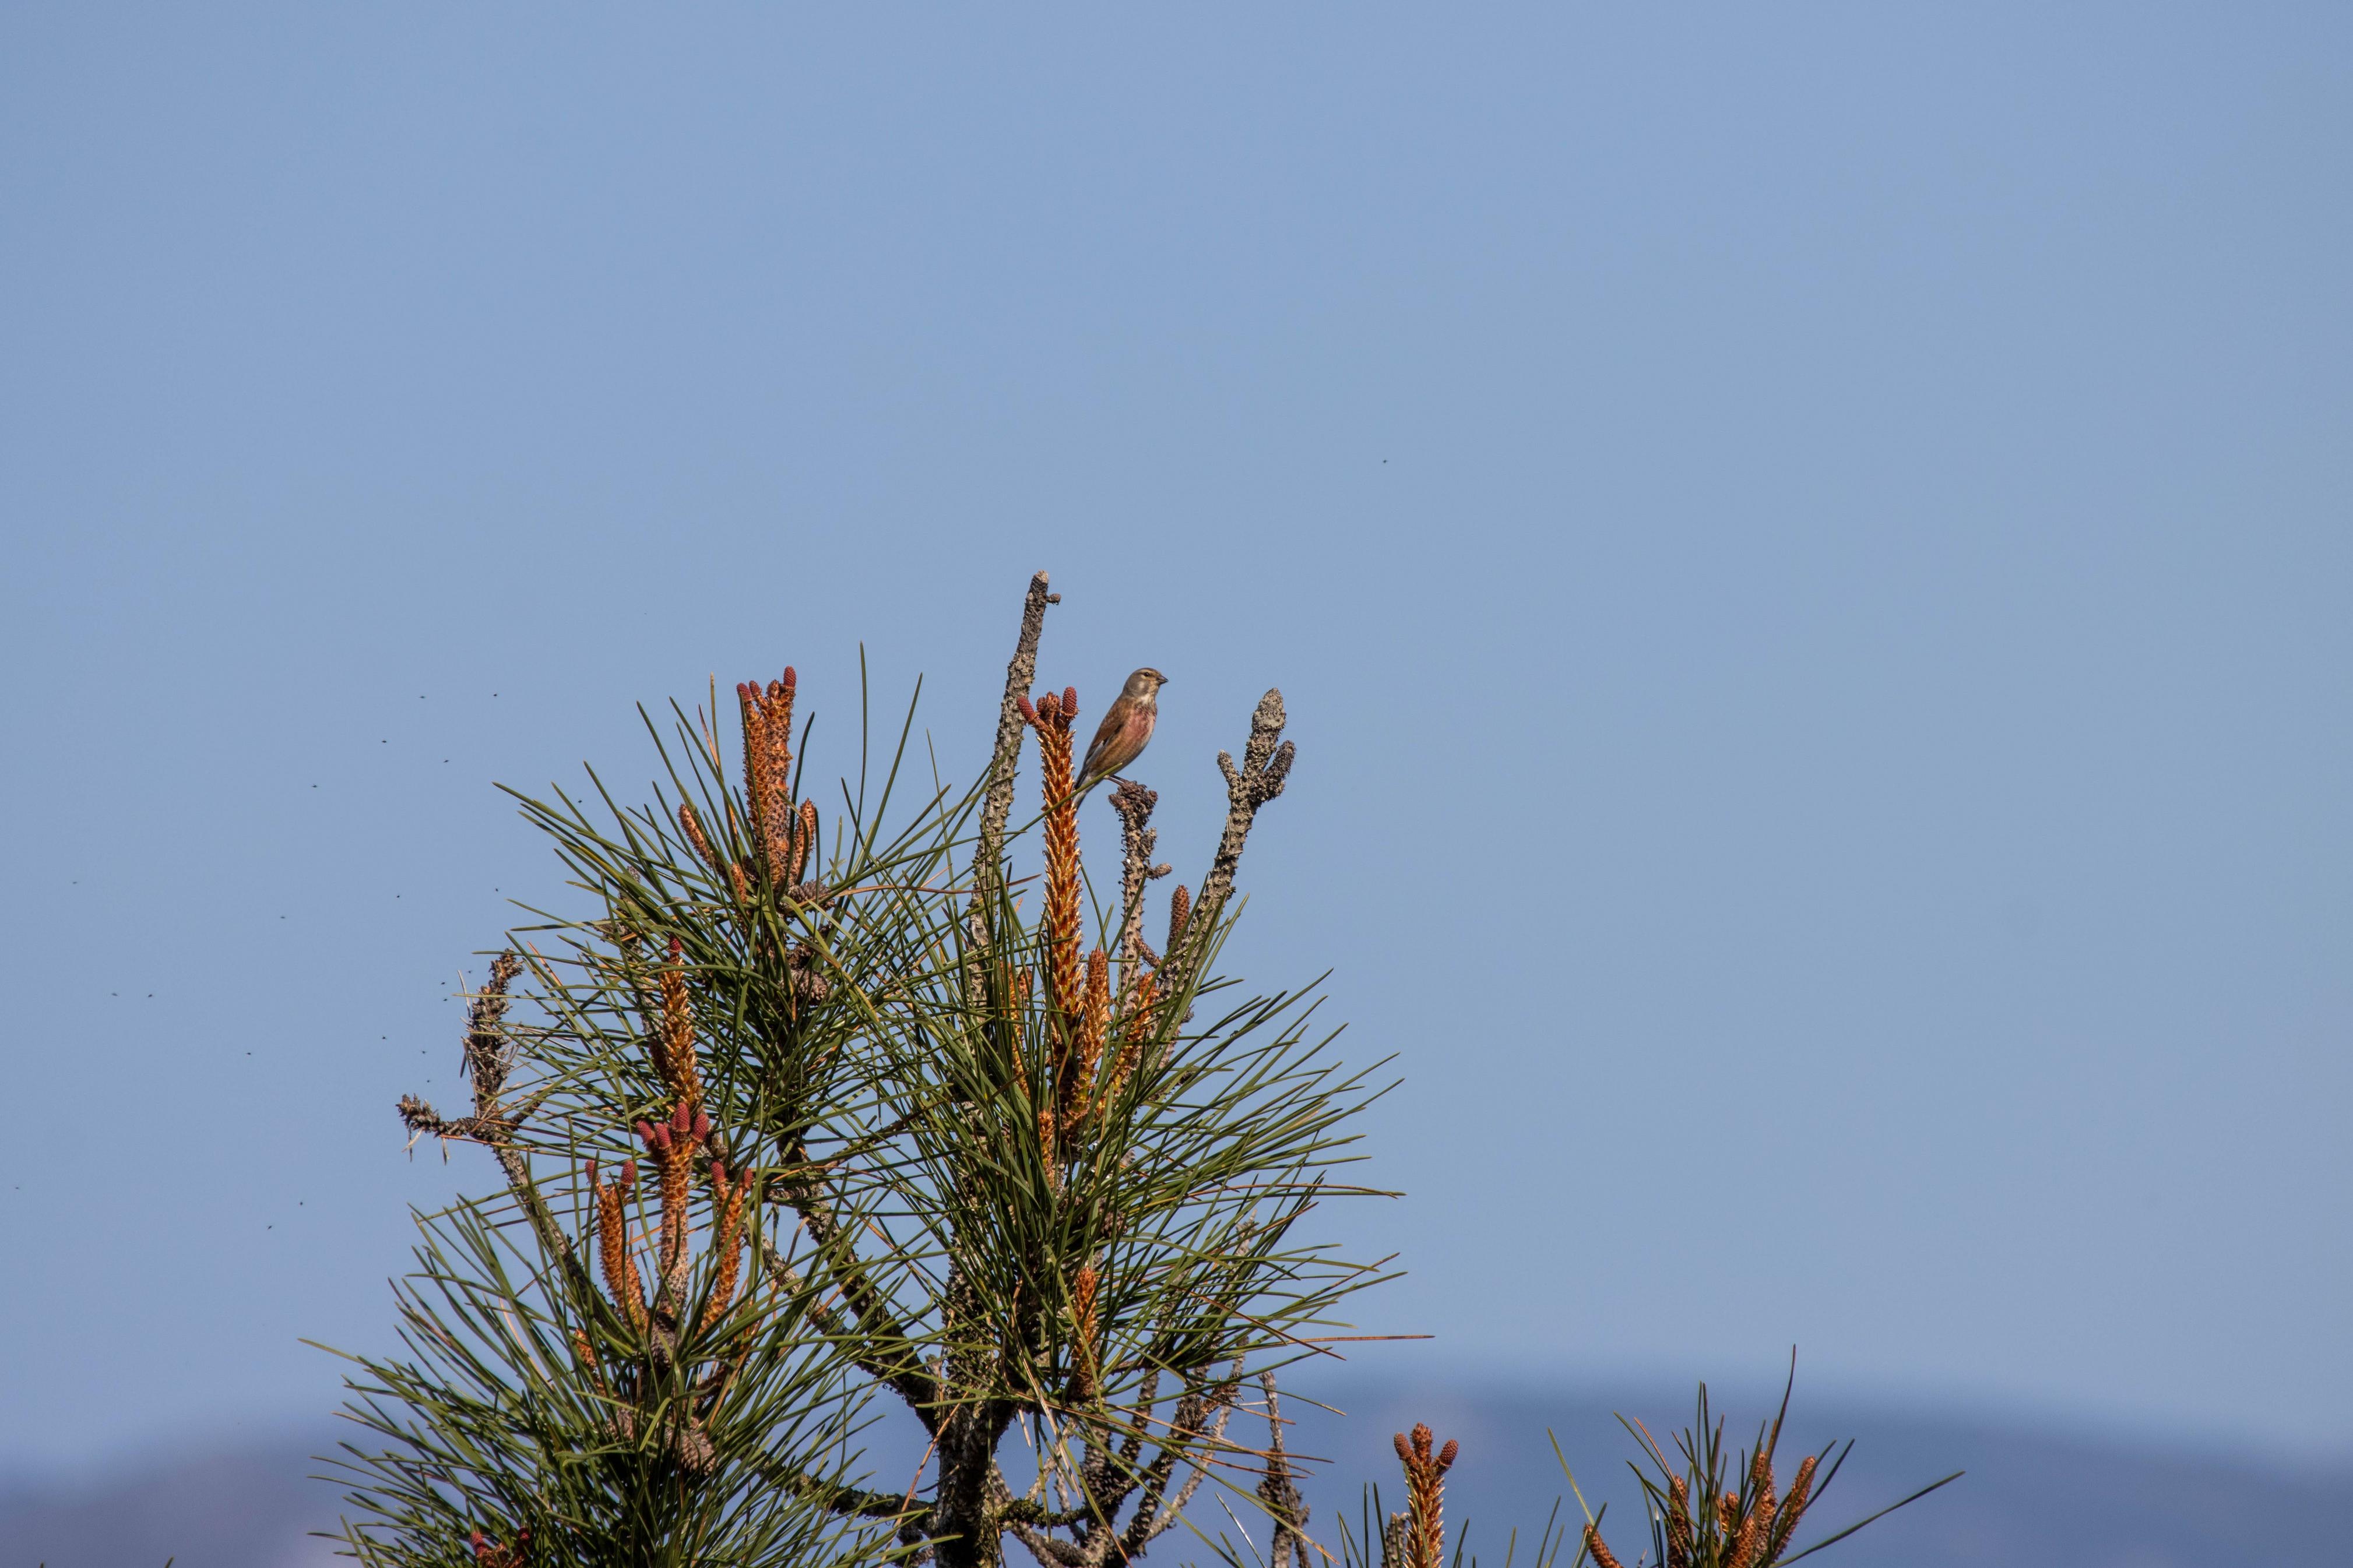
x,y
795,1115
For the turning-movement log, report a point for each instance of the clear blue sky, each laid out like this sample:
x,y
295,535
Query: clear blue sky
x,y
1809,548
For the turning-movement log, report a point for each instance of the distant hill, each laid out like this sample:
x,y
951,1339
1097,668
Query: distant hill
x,y
246,1506
2031,1498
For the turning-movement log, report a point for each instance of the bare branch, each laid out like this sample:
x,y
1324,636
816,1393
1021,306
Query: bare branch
x,y
1196,1427
423,1121
490,1056
1048,1551
837,1497
1019,676
1279,1492
1265,768
1222,1403
1137,838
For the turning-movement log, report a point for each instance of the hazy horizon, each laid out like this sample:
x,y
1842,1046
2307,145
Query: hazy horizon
x,y
2027,1493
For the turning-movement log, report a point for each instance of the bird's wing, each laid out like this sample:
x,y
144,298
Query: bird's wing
x,y
1107,734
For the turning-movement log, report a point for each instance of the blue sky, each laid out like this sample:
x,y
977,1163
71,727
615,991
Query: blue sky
x,y
1806,548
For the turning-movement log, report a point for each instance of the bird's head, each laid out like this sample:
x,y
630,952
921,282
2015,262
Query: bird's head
x,y
1145,684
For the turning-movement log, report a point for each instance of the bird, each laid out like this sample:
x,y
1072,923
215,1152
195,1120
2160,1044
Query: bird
x,y
1126,728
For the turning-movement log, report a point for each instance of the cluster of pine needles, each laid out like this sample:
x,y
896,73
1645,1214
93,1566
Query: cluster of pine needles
x,y
1707,1504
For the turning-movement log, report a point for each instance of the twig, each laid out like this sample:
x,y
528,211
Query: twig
x,y
1279,1492
489,1055
1265,767
1138,838
998,803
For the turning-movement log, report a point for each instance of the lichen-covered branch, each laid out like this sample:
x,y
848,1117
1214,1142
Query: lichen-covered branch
x,y
1265,767
1133,803
1279,1492
997,804
1198,1428
489,1052
490,1056
1048,1551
